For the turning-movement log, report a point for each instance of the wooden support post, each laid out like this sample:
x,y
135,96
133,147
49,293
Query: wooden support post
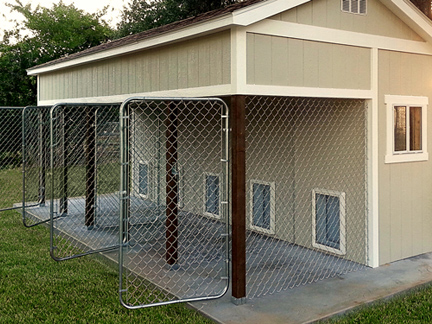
x,y
90,157
65,152
171,185
238,147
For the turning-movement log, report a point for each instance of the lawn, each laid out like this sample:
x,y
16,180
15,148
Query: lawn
x,y
36,289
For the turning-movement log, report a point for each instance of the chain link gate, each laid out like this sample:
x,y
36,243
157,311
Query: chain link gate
x,y
306,191
85,155
10,158
36,170
174,199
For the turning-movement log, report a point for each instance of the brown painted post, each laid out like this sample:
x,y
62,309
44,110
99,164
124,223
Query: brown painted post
x,y
238,152
90,157
171,185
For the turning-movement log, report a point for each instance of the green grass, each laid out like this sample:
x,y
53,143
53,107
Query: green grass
x,y
411,307
36,289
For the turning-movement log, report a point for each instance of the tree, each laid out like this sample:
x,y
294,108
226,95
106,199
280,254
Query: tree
x,y
424,6
141,15
44,35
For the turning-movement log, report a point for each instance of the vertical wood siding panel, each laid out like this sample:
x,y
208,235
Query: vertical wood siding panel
x,y
279,59
154,68
182,68
226,60
204,67
296,62
124,74
250,58
216,62
146,73
131,77
193,66
173,69
164,70
311,61
319,10
325,67
139,82
263,63
304,14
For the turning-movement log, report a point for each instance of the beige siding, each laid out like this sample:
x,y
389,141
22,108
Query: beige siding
x,y
282,61
405,191
195,63
379,20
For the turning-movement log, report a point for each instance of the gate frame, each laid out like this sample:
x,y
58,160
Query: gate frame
x,y
125,192
63,200
39,203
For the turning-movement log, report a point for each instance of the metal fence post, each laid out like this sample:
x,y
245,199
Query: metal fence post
x,y
238,145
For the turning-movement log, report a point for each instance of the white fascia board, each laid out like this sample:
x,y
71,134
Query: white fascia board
x,y
335,36
209,91
263,10
218,24
412,16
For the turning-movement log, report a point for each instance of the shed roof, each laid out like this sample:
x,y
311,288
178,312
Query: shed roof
x,y
152,32
240,14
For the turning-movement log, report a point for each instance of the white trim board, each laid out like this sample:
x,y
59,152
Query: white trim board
x,y
226,90
336,36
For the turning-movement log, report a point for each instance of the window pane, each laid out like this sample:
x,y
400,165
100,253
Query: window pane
x,y
415,128
362,6
143,179
261,205
346,5
355,6
400,129
327,220
212,194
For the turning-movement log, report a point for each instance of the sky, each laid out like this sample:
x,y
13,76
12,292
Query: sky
x,y
89,6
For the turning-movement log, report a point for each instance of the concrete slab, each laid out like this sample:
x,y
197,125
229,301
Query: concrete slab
x,y
322,299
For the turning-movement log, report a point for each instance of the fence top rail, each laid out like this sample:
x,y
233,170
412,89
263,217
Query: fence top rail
x,y
7,107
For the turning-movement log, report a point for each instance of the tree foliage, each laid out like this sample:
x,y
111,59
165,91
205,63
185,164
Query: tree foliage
x,y
44,35
141,15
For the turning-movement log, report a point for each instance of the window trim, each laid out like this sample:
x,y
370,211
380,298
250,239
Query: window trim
x,y
392,101
342,221
142,162
272,207
206,213
354,13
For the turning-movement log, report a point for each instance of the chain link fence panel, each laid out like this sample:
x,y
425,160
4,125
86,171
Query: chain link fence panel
x,y
10,158
85,156
174,201
36,168
306,191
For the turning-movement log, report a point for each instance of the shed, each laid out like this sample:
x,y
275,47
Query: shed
x,y
335,97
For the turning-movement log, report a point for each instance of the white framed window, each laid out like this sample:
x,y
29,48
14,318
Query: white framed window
x,y
212,195
354,6
262,206
328,221
406,129
144,179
